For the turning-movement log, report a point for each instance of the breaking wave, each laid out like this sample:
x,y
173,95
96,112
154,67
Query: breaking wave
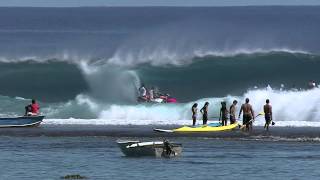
x,y
87,68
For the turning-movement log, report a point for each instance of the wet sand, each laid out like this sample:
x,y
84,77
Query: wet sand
x,y
147,131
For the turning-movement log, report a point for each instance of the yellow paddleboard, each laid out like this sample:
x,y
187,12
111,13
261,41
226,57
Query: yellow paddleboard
x,y
206,128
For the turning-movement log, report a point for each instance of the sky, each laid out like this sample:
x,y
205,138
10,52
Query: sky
x,y
77,3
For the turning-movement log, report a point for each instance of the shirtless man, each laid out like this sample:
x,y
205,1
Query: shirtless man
x,y
248,114
233,112
267,109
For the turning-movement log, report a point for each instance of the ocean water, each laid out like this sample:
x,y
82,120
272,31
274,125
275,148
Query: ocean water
x,y
97,156
84,66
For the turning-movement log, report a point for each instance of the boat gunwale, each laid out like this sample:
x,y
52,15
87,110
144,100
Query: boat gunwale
x,y
39,119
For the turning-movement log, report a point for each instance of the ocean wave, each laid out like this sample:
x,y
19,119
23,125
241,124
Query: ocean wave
x,y
76,121
164,57
118,84
290,108
158,57
110,121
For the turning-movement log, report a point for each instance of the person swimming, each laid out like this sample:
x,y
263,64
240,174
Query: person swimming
x,y
194,113
204,111
223,113
248,114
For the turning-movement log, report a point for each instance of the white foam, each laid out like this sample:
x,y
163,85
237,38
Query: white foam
x,y
156,56
290,108
160,57
73,121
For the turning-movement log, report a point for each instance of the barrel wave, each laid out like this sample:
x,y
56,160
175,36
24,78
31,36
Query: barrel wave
x,y
88,71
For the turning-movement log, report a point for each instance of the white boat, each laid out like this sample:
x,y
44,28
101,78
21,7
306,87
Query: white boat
x,y
153,148
21,121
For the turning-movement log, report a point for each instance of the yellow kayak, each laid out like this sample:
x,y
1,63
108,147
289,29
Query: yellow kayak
x,y
201,128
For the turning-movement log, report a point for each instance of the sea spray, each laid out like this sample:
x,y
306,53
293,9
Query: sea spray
x,y
290,108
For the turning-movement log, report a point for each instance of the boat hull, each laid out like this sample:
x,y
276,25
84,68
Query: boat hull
x,y
151,149
22,121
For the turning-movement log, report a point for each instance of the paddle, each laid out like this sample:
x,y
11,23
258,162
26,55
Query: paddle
x,y
244,125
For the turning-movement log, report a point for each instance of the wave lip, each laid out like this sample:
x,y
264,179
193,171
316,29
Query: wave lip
x,y
245,51
168,57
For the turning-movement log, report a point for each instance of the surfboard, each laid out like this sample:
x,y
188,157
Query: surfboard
x,y
163,130
203,128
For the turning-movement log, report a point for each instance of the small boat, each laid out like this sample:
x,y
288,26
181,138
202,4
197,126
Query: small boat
x,y
203,128
22,121
160,99
154,148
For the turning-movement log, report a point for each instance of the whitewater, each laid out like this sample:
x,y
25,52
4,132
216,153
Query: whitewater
x,y
87,68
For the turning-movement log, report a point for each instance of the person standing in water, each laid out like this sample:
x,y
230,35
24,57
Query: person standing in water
x,y
223,113
267,109
194,110
233,112
204,111
248,114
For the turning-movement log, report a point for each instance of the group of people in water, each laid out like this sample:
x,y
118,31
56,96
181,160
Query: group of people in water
x,y
153,95
248,115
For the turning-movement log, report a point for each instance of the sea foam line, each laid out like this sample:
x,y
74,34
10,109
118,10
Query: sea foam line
x,y
72,121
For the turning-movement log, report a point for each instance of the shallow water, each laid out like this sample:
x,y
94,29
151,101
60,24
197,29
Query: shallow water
x,y
98,157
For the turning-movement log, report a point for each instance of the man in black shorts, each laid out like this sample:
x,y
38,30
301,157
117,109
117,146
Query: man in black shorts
x,y
233,112
267,108
248,114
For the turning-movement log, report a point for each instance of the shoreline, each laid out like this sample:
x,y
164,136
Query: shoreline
x,y
147,131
